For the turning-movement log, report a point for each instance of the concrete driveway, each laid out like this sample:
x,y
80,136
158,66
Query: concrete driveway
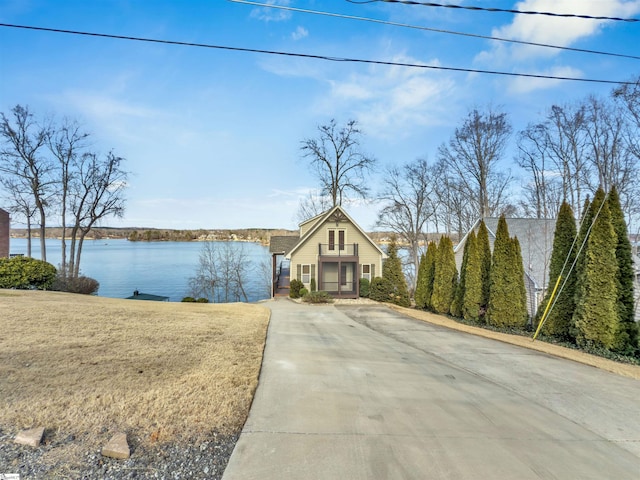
x,y
362,392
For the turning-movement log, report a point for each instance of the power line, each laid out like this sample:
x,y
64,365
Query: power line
x,y
313,56
501,10
437,30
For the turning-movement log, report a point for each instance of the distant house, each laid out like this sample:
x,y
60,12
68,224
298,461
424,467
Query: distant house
x,y
332,249
4,233
536,242
147,296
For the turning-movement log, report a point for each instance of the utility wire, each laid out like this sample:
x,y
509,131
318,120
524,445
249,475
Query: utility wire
x,y
575,260
312,56
502,10
428,29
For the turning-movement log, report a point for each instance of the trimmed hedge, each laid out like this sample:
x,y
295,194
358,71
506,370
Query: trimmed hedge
x,y
24,273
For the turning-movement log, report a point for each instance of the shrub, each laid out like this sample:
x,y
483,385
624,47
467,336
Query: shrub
x,y
294,288
82,285
26,273
380,289
393,274
202,300
189,299
304,292
365,286
317,297
313,285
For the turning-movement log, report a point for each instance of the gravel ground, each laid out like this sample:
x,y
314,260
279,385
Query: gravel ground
x,y
66,458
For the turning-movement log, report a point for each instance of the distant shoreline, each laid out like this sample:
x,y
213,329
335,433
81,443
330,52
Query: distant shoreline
x,y
255,235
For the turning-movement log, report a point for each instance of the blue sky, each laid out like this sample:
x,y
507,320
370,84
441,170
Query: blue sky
x,y
212,137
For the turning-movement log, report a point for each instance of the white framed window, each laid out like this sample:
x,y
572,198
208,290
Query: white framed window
x,y
306,274
366,271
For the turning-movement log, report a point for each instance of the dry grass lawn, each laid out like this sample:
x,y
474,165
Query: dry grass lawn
x,y
88,366
632,371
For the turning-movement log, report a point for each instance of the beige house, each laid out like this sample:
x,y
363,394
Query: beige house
x,y
332,249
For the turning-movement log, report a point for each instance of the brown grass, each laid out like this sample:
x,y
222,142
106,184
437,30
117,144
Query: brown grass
x,y
632,371
89,366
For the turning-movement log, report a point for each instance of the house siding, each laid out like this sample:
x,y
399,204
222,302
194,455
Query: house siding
x,y
4,233
308,254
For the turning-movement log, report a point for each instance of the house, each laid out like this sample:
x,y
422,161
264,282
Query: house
x,y
4,233
332,250
536,243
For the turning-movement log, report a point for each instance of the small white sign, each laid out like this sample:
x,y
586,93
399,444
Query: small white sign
x,y
9,476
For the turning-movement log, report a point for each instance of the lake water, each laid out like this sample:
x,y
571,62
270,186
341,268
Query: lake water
x,y
159,268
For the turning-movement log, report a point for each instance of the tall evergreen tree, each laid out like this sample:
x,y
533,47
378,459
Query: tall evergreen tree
x,y
484,251
419,295
581,245
520,313
504,288
458,296
558,321
392,272
472,296
445,278
596,314
627,334
424,282
426,276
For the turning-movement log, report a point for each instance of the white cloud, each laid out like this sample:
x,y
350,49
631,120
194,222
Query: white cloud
x,y
300,33
388,101
272,14
523,85
561,31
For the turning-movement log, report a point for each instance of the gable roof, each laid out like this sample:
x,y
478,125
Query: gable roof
x,y
282,244
320,220
536,243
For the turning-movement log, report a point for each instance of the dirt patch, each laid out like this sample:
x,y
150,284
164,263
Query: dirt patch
x,y
632,371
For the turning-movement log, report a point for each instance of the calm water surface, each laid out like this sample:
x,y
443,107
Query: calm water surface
x,y
159,268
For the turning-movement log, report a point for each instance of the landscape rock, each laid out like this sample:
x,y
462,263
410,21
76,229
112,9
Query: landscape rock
x,y
31,437
117,447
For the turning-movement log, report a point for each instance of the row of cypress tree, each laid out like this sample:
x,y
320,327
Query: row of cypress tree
x,y
594,305
490,288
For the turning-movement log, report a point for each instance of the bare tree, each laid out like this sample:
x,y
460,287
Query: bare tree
x,y
567,145
96,191
338,161
22,157
455,209
628,95
610,155
67,143
20,202
313,204
473,153
410,203
542,188
223,271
